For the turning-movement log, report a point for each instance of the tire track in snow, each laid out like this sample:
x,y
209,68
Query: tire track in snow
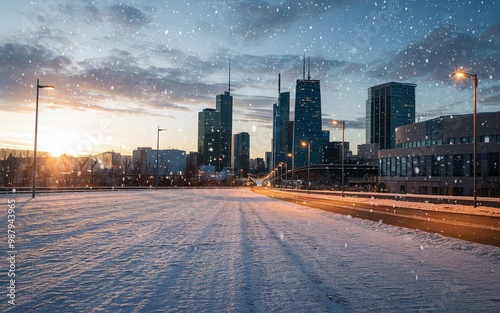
x,y
302,274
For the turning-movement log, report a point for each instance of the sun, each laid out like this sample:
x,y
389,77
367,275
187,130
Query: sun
x,y
57,142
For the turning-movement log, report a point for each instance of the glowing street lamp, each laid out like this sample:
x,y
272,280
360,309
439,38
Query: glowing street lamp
x,y
308,145
38,87
290,155
157,151
461,74
343,153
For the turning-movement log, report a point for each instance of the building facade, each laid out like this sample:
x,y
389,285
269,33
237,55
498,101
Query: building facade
x,y
332,152
308,124
281,123
241,154
436,157
209,137
388,106
148,161
224,105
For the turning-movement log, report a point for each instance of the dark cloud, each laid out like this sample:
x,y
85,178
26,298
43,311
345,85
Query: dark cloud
x,y
126,16
255,19
441,52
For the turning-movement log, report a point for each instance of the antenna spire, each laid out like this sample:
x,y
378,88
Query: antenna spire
x,y
229,86
309,68
304,68
279,84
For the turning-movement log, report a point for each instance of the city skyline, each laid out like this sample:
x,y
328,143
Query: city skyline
x,y
121,69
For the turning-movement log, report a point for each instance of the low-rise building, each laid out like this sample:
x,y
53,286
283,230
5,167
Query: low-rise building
x,y
436,157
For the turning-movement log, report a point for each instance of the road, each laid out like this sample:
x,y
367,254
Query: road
x,y
231,250
474,228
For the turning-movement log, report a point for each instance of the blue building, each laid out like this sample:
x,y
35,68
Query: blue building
x,y
308,123
224,105
209,137
281,121
388,106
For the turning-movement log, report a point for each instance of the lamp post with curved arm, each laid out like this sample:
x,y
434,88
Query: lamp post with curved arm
x,y
343,152
38,87
461,74
157,151
308,145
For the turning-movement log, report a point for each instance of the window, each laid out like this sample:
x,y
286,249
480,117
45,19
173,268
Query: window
x,y
493,164
458,165
404,165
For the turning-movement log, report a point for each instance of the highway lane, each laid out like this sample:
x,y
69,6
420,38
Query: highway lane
x,y
474,228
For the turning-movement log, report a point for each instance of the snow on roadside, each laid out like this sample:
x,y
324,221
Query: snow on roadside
x,y
453,208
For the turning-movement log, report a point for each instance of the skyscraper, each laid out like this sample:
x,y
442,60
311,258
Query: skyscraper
x,y
388,106
224,105
308,123
241,154
208,137
215,130
281,122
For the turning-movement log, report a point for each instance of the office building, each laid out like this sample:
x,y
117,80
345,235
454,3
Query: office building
x,y
169,161
308,123
388,106
281,123
224,105
332,152
241,154
209,137
436,157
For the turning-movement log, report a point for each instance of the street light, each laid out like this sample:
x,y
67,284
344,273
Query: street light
x,y
290,155
157,151
38,87
461,74
343,153
308,144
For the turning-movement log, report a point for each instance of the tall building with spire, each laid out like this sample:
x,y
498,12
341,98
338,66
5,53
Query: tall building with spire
x,y
224,105
208,137
308,123
281,123
215,131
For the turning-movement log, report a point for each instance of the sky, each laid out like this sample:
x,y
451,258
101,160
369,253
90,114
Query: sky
x,y
121,69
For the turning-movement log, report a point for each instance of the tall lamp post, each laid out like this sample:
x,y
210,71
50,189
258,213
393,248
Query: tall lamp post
x,y
461,74
308,144
157,151
38,87
290,155
343,152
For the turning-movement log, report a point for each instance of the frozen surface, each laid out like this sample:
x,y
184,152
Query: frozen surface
x,y
232,251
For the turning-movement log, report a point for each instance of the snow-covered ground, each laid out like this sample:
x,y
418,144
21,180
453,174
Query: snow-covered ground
x,y
233,250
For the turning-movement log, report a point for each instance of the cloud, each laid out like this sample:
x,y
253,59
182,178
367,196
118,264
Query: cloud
x,y
127,16
440,53
255,19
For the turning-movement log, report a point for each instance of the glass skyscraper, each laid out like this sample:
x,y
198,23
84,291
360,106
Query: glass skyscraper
x,y
388,106
241,154
281,122
208,137
308,123
224,105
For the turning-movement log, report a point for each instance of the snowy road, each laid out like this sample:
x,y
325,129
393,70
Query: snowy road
x,y
232,251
